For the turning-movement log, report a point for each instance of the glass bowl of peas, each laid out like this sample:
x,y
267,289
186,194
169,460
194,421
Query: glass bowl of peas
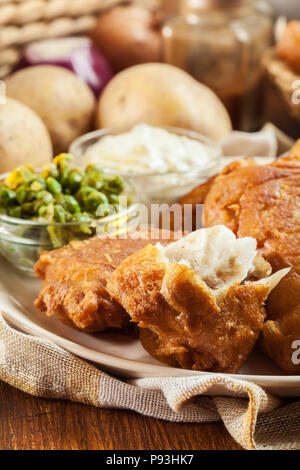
x,y
44,209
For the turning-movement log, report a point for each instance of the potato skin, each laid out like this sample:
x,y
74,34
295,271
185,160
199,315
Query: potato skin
x,y
138,43
162,95
23,137
64,103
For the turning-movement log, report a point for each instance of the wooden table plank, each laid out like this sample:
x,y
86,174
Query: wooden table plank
x,y
28,423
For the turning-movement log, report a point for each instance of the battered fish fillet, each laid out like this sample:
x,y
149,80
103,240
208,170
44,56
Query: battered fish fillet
x,y
280,338
222,204
74,280
270,213
264,202
192,302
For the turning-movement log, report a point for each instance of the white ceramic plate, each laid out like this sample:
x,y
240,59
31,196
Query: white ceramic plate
x,y
117,353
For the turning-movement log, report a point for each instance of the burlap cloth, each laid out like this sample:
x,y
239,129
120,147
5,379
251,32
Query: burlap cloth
x,y
255,419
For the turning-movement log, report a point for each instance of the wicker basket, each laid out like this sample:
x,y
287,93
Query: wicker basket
x,y
24,21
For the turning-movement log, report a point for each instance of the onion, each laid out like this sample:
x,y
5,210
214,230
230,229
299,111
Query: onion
x,y
78,54
128,35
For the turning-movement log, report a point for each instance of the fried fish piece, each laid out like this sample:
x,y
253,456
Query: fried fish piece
x,y
74,279
264,203
270,213
198,195
261,202
192,302
281,332
223,202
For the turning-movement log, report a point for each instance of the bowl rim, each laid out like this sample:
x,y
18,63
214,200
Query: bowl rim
x,y
194,135
34,223
93,221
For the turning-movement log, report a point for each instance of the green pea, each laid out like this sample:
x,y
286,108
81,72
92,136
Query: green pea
x,y
114,185
74,181
84,218
15,212
44,196
81,217
50,170
95,199
38,184
53,185
62,160
36,206
41,180
28,208
94,177
113,199
21,194
62,164
50,212
71,204
83,193
31,208
30,196
103,210
59,214
21,175
92,167
42,212
56,236
7,197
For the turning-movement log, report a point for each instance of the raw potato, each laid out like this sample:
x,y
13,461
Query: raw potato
x,y
139,42
65,104
23,137
162,95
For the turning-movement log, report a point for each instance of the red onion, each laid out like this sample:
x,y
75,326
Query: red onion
x,y
77,54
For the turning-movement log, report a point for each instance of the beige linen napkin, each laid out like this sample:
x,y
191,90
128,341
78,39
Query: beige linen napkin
x,y
255,419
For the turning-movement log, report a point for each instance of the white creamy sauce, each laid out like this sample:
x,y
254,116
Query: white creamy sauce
x,y
147,149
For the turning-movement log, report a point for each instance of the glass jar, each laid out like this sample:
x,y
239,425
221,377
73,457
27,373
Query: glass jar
x,y
220,43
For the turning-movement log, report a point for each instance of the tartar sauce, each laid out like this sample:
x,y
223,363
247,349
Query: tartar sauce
x,y
147,150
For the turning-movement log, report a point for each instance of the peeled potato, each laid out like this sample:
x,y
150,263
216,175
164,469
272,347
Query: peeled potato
x,y
65,104
162,95
23,137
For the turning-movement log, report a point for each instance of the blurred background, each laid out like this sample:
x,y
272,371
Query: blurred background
x,y
224,44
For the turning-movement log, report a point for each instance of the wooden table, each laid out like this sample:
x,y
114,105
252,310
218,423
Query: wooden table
x,y
28,423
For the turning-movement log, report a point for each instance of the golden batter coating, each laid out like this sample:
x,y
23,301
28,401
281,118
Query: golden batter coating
x,y
183,321
270,213
264,202
74,280
281,332
223,202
